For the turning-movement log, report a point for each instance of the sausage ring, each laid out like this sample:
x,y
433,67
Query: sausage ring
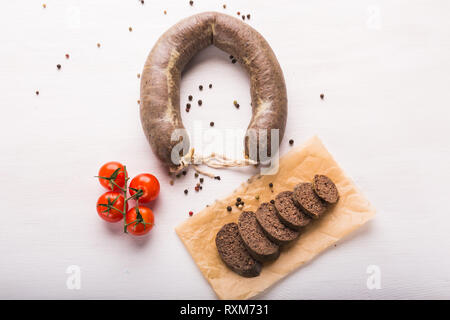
x,y
160,81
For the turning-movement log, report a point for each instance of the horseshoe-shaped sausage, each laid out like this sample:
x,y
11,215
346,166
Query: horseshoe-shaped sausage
x,y
160,81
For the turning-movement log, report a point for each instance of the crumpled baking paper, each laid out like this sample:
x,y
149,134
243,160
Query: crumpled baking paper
x,y
299,165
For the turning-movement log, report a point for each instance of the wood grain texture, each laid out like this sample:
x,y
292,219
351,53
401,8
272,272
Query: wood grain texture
x,y
384,71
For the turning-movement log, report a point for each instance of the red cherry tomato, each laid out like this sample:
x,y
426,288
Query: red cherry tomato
x,y
148,184
110,206
138,228
112,169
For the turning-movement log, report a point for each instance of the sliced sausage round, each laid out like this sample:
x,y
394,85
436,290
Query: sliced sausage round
x,y
289,213
325,189
256,242
307,199
232,250
274,229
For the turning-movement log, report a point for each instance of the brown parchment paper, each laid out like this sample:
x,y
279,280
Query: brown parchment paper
x,y
298,165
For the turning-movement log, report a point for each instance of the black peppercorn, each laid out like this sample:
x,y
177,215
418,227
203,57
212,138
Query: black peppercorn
x,y
229,208
190,98
271,185
185,191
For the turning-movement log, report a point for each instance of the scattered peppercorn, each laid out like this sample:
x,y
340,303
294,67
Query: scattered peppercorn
x,y
238,13
142,1
184,173
271,185
243,17
201,188
231,57
291,142
196,175
58,66
217,177
240,206
188,105
224,6
237,203
235,102
211,124
229,208
139,101
197,188
200,102
37,92
257,197
210,85
165,12
237,106
138,75
200,87
248,16
186,191
272,201
233,61
191,213
171,182
130,29
201,180
322,96
98,45
191,2
187,109
242,203
238,199
67,56
190,98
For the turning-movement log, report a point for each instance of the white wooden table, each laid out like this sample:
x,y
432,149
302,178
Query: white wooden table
x,y
383,66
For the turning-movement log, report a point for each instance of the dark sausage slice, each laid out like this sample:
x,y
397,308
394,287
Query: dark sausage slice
x,y
274,229
289,213
233,252
256,242
308,200
325,188
160,80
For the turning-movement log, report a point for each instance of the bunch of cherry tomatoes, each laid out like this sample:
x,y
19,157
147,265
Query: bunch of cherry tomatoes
x,y
112,206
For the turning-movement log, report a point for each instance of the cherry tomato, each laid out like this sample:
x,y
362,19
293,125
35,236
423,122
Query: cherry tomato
x,y
138,228
148,184
112,169
110,206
